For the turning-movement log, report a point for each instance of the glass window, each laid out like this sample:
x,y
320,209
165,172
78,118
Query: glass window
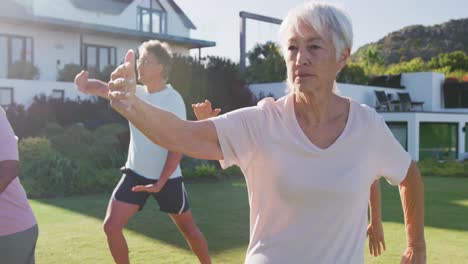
x,y
466,139
58,94
13,49
400,132
28,50
156,22
3,56
152,20
91,59
438,141
145,21
103,58
17,49
98,58
6,96
112,56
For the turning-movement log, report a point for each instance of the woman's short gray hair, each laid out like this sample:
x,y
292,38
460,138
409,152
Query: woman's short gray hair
x,y
322,17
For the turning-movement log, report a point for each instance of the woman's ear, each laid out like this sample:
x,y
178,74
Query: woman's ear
x,y
344,56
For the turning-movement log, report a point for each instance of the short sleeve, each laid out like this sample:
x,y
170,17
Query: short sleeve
x,y
238,133
177,106
392,159
8,140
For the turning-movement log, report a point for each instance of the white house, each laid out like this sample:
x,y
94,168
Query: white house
x,y
437,129
94,34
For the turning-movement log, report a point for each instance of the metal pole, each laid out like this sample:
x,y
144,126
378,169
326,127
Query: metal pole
x,y
242,45
244,15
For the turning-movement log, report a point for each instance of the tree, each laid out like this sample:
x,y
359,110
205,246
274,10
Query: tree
x,y
371,57
352,73
216,79
414,65
455,61
266,64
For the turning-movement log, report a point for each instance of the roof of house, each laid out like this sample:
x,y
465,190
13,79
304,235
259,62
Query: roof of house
x,y
18,12
116,7
187,22
112,7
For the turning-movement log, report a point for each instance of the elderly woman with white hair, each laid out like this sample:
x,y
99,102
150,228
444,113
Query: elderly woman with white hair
x,y
309,158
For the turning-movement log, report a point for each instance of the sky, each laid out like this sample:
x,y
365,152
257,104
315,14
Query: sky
x,y
218,20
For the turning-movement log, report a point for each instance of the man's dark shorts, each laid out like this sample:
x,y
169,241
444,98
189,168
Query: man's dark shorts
x,y
172,198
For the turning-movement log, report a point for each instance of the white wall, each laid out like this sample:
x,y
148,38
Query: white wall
x,y
426,87
422,86
25,90
361,93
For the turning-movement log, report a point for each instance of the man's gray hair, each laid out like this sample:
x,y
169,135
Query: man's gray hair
x,y
162,52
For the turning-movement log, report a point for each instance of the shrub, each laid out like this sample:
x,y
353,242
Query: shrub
x,y
23,70
70,161
68,73
43,171
448,168
233,171
202,171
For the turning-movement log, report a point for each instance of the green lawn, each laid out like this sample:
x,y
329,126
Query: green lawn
x,y
70,228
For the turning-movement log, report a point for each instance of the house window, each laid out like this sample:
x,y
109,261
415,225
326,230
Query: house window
x,y
400,132
13,49
438,140
6,96
58,94
99,57
466,138
152,18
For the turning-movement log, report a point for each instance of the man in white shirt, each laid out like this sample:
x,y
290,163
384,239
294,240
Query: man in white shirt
x,y
153,169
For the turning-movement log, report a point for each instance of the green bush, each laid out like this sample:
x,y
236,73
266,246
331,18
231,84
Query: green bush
x,y
448,168
70,161
23,70
233,171
68,73
202,171
43,171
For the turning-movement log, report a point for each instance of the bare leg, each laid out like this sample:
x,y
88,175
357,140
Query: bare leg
x,y
192,234
118,214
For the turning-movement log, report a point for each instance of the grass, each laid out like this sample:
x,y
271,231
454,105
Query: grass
x,y
71,232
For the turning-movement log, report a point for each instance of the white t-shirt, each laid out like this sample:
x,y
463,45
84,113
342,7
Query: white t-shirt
x,y
144,157
307,204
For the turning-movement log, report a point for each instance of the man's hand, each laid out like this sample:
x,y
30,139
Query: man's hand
x,y
122,85
81,81
93,87
151,188
414,255
376,237
203,110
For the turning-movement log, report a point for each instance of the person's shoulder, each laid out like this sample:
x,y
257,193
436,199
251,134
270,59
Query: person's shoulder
x,y
270,103
365,113
172,93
